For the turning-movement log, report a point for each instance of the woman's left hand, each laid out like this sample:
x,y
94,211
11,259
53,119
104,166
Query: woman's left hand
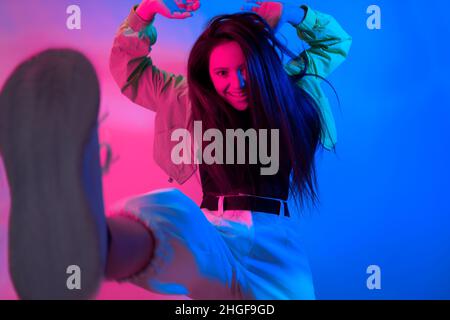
x,y
276,13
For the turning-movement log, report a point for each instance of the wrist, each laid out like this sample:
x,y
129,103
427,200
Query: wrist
x,y
146,10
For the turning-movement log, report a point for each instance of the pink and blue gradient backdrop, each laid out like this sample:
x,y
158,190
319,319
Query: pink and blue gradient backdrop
x,y
383,196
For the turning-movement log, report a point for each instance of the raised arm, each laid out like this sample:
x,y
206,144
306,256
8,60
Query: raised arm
x,y
329,47
329,43
130,62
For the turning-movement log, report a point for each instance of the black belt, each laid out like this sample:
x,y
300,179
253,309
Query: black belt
x,y
244,202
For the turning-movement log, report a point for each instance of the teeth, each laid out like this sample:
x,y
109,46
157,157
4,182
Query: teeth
x,y
241,94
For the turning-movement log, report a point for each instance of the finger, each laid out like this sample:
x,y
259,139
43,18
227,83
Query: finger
x,y
181,15
175,10
182,4
194,6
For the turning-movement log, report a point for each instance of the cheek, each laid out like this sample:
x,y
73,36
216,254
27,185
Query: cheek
x,y
219,84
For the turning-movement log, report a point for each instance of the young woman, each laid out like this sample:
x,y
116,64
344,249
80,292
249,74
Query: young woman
x,y
242,242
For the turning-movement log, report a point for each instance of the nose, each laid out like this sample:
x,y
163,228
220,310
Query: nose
x,y
239,80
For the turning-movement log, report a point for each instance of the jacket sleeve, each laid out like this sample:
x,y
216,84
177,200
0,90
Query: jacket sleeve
x,y
132,68
329,47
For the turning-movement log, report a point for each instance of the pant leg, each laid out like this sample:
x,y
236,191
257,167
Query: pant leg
x,y
277,266
270,250
191,258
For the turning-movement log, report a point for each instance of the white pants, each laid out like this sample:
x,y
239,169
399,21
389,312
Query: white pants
x,y
232,254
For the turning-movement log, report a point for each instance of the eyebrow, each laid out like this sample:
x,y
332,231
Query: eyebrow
x,y
223,68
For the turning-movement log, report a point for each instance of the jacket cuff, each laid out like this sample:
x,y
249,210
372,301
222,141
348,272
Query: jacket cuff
x,y
136,22
309,21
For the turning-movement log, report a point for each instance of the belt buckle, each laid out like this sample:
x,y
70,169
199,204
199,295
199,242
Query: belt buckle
x,y
283,205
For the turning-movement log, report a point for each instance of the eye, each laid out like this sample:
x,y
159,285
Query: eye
x,y
222,73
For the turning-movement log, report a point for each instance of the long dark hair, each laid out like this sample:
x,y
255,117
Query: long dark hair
x,y
275,99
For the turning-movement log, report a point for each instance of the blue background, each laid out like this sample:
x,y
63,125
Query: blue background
x,y
385,194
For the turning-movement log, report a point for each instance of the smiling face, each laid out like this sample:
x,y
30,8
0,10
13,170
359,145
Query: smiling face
x,y
228,72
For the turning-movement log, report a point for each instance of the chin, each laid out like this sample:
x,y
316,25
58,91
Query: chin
x,y
240,107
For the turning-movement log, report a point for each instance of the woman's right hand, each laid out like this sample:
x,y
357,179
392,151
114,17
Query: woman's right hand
x,y
172,9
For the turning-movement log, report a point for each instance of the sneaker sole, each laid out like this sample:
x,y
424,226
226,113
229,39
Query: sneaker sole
x,y
57,232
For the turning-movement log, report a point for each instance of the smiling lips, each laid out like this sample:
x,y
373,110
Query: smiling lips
x,y
238,95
